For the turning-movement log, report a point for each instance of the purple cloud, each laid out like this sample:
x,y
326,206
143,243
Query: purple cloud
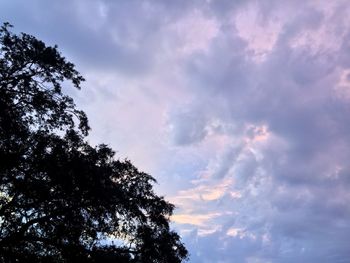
x,y
240,109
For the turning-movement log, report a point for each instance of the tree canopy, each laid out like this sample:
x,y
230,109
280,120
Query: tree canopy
x,y
61,199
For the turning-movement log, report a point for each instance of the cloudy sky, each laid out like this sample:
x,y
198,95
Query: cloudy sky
x,y
240,110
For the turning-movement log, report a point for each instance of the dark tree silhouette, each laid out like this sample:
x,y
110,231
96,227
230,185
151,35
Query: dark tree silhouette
x,y
62,200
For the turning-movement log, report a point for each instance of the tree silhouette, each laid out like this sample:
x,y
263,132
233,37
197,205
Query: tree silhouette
x,y
62,200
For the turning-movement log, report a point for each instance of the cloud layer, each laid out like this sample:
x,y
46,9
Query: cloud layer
x,y
240,109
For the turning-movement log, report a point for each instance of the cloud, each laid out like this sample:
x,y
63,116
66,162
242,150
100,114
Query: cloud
x,y
239,109
290,188
194,219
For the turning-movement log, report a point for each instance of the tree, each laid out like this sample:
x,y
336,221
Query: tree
x,y
61,199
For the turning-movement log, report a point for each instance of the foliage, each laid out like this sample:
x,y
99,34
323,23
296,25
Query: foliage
x,y
62,200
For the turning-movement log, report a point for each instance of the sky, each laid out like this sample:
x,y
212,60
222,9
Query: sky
x,y
239,109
